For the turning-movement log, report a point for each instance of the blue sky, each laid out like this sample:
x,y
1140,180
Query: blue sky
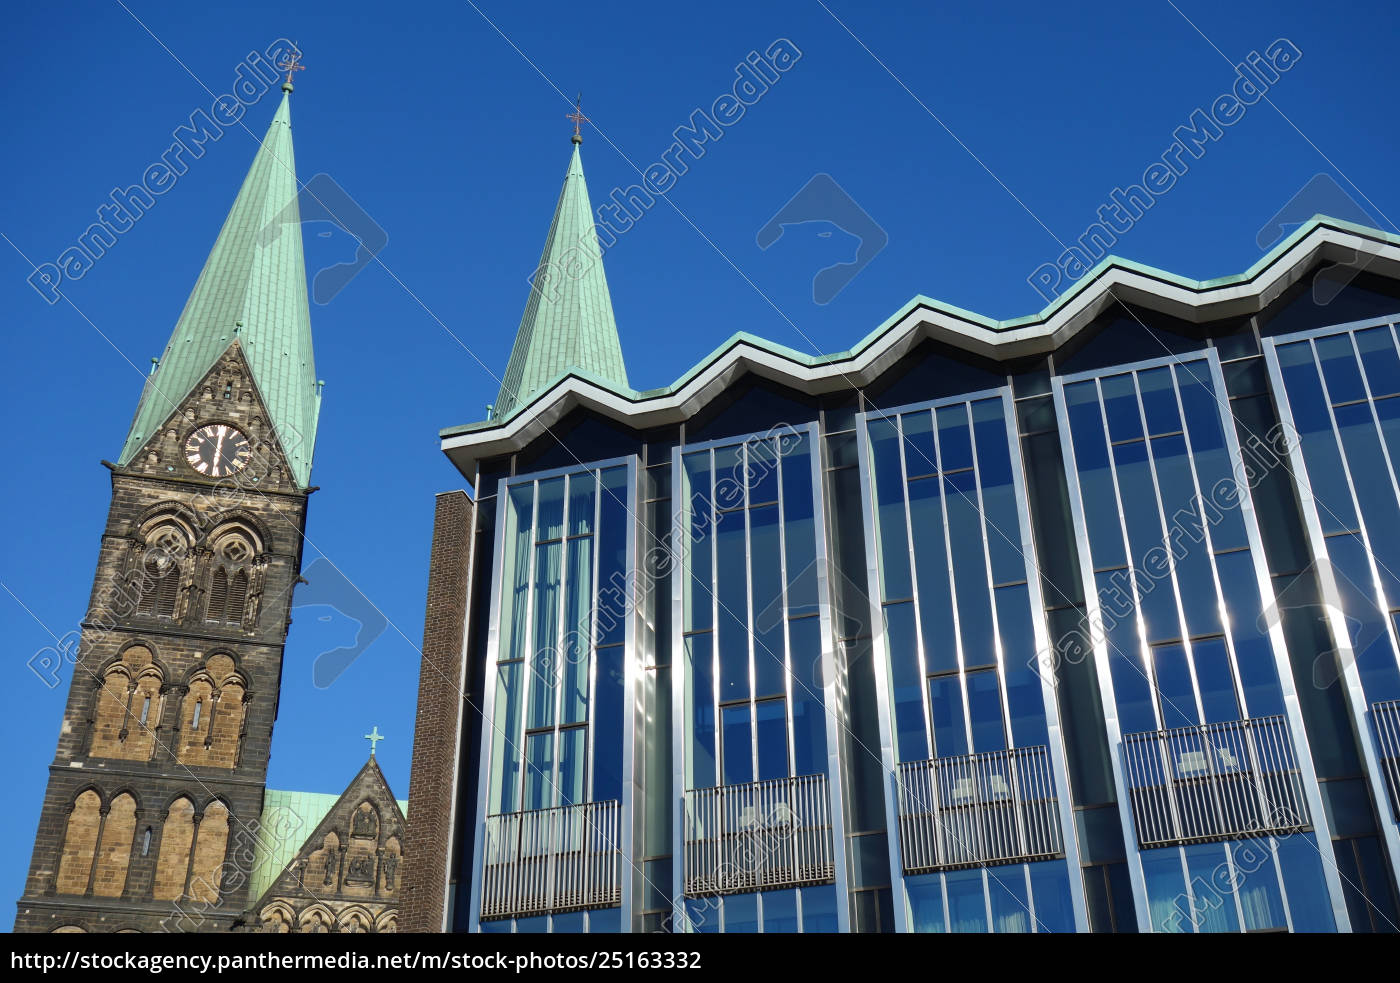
x,y
981,139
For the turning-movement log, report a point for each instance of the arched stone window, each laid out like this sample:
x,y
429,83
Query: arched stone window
x,y
277,919
316,919
161,573
114,853
173,862
355,921
388,921
211,843
211,720
79,844
128,707
236,551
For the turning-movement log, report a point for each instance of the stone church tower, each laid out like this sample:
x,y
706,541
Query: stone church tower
x,y
151,815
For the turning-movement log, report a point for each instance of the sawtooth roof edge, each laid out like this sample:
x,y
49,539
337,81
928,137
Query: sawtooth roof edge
x,y
1111,280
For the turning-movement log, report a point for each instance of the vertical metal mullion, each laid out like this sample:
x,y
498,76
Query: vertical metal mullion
x,y
556,796
589,749
788,722
919,653
748,614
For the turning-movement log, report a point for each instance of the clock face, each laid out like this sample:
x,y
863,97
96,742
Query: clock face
x,y
218,449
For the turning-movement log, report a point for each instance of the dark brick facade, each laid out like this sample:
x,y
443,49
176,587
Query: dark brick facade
x,y
216,678
441,701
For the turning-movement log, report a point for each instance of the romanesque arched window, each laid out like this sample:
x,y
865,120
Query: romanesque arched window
x,y
211,843
236,550
128,704
79,844
173,862
211,720
114,853
160,574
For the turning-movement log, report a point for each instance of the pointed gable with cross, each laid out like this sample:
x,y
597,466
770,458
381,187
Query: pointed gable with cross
x,y
329,864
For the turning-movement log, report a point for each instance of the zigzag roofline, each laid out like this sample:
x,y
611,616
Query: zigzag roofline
x,y
1112,280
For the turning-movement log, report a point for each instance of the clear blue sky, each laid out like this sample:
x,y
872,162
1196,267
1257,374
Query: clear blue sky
x,y
452,136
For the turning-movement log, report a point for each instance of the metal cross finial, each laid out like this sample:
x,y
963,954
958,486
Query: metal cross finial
x,y
374,737
291,63
578,118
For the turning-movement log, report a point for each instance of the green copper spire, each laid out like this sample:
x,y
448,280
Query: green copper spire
x,y
568,321
252,292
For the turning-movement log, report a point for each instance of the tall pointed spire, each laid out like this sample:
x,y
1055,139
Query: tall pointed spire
x,y
252,292
568,321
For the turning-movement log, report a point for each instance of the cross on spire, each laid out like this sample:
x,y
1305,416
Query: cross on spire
x,y
374,737
289,64
578,118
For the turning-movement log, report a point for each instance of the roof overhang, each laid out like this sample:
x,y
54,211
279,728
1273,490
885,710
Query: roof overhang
x,y
1111,281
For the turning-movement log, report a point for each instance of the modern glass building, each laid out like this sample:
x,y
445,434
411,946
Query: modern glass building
x,y
1085,621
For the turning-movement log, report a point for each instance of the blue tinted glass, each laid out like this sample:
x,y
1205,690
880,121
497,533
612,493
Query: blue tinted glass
x,y
967,904
738,747
568,923
888,476
1121,408
539,771
573,767
779,911
1311,418
1177,698
1186,525
1130,686
1159,401
581,489
515,603
699,599
945,701
931,558
1156,598
733,606
1006,889
1375,659
799,534
607,724
1256,884
1376,876
544,664
1054,911
772,739
1167,903
1095,477
550,523
506,755
578,629
998,492
1212,888
1365,457
970,570
740,914
762,471
908,682
1025,702
605,921
920,457
819,909
1214,679
702,914
614,565
730,482
984,705
701,758
954,440
1339,369
925,903
502,926
1254,652
1379,361
770,671
808,718
537,925
1308,899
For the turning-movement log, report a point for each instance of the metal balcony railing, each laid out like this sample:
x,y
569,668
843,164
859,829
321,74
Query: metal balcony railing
x,y
1385,718
996,807
548,860
757,836
1214,782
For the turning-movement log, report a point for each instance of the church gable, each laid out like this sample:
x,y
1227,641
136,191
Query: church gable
x,y
227,395
346,875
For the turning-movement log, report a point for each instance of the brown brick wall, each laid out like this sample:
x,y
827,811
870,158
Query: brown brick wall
x,y
176,836
80,844
428,840
114,856
205,871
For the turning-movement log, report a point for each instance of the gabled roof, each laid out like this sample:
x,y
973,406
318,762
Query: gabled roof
x,y
253,289
1111,281
291,825
568,322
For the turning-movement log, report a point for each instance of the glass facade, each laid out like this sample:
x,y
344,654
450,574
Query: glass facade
x,y
1094,645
